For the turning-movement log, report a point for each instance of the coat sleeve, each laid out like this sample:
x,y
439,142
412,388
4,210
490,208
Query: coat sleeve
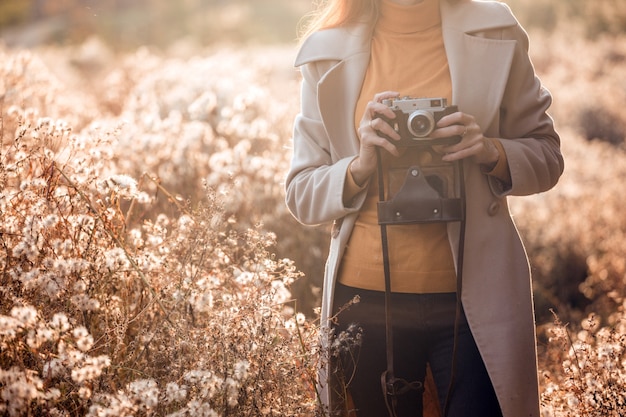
x,y
533,153
315,181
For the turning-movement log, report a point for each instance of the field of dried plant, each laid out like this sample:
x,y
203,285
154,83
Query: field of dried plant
x,y
149,265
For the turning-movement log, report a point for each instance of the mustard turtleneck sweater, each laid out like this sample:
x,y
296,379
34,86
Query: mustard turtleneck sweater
x,y
408,56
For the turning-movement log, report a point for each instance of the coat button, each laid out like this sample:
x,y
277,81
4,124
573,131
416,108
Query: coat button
x,y
493,208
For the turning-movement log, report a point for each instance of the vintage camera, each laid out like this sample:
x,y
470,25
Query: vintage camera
x,y
416,118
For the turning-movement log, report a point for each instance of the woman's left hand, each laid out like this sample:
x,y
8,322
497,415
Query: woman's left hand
x,y
472,145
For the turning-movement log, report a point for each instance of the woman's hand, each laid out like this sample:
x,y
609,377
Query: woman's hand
x,y
369,129
473,144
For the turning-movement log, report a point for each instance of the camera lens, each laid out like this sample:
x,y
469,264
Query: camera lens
x,y
421,123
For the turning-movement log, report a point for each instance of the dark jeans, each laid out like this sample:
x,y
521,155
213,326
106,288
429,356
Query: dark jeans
x,y
423,331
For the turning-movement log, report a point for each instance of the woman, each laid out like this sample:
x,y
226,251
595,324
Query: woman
x,y
357,56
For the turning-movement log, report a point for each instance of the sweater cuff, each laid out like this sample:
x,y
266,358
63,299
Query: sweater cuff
x,y
351,188
501,169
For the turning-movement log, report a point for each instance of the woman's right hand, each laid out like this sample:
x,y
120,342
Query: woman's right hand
x,y
370,126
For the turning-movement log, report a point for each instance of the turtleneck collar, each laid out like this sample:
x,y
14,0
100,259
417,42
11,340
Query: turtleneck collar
x,y
399,18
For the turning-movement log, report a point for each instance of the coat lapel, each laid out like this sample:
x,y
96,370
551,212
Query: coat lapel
x,y
336,109
344,53
479,66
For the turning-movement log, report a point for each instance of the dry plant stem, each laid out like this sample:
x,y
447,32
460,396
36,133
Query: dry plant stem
x,y
167,193
122,247
571,343
312,378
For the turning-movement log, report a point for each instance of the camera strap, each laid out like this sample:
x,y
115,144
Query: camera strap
x,y
408,207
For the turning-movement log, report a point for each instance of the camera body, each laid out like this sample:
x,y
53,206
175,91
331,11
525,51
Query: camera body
x,y
416,119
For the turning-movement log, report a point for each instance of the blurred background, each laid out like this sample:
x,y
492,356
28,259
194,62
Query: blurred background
x,y
127,24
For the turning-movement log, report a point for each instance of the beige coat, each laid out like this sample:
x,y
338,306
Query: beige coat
x,y
493,80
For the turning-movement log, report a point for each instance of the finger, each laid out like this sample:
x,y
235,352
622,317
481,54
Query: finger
x,y
375,109
457,118
386,145
376,137
379,97
461,154
382,128
449,131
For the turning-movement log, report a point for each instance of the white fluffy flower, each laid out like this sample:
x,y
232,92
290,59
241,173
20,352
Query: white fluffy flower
x,y
84,341
175,392
26,315
240,370
146,392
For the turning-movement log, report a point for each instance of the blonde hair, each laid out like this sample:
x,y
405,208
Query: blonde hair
x,y
334,13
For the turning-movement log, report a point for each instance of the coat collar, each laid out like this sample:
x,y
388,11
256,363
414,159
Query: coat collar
x,y
341,43
479,66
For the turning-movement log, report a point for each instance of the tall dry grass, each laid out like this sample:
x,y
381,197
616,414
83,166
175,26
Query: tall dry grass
x,y
119,297
149,266
575,234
